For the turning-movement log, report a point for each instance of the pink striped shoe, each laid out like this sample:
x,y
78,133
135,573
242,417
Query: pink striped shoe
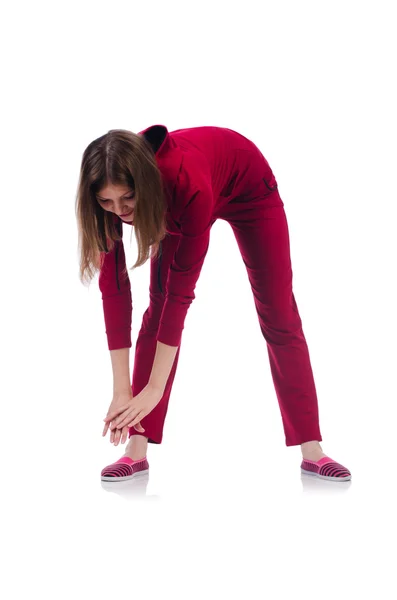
x,y
326,468
125,468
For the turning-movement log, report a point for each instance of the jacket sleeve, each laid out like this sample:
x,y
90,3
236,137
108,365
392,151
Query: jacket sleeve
x,y
184,271
116,296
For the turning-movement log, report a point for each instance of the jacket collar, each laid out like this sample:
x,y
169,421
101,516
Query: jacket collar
x,y
168,155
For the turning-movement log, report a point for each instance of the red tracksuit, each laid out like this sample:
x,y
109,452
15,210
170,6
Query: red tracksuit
x,y
215,173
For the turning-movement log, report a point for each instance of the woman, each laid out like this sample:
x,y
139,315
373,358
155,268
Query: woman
x,y
172,187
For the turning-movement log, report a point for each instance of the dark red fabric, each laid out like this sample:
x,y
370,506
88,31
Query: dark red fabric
x,y
202,168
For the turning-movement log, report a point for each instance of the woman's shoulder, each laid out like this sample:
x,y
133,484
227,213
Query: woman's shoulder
x,y
194,172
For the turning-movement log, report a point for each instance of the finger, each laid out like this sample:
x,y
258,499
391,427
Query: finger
x,y
116,422
123,420
112,436
119,423
124,435
136,420
112,426
105,429
117,437
115,412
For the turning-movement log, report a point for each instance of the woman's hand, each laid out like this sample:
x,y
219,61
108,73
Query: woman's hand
x,y
118,404
121,417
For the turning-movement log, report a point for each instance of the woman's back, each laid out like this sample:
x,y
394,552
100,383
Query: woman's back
x,y
234,160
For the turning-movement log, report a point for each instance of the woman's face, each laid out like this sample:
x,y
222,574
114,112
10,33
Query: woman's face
x,y
117,199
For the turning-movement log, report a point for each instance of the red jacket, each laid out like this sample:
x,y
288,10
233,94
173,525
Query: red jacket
x,y
202,168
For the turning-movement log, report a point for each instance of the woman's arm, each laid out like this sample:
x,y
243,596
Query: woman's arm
x,y
115,287
162,366
121,369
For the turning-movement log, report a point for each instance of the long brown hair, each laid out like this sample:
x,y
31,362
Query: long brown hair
x,y
119,157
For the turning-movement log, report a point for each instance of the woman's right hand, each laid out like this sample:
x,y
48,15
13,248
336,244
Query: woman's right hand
x,y
119,401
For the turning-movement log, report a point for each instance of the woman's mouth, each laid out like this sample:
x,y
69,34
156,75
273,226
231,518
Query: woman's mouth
x,y
127,215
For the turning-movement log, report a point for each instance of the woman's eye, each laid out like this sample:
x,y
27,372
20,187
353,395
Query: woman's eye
x,y
127,198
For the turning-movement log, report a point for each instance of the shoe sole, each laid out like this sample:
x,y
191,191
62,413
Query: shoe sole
x,y
325,477
105,478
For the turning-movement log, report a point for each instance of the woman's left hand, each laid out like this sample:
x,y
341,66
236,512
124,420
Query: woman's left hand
x,y
135,409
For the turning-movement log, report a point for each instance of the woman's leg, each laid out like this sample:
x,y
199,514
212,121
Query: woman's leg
x,y
145,351
261,231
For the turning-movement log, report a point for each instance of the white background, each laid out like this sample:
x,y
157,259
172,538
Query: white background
x,y
313,85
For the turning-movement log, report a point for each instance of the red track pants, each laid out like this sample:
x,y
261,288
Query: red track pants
x,y
261,230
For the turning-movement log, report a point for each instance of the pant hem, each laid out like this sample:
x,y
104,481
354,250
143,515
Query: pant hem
x,y
303,440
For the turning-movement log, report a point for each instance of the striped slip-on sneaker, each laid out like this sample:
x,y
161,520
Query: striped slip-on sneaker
x,y
326,468
124,468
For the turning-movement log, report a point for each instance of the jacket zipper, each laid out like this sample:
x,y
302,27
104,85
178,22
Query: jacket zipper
x,y
117,257
117,271
159,267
